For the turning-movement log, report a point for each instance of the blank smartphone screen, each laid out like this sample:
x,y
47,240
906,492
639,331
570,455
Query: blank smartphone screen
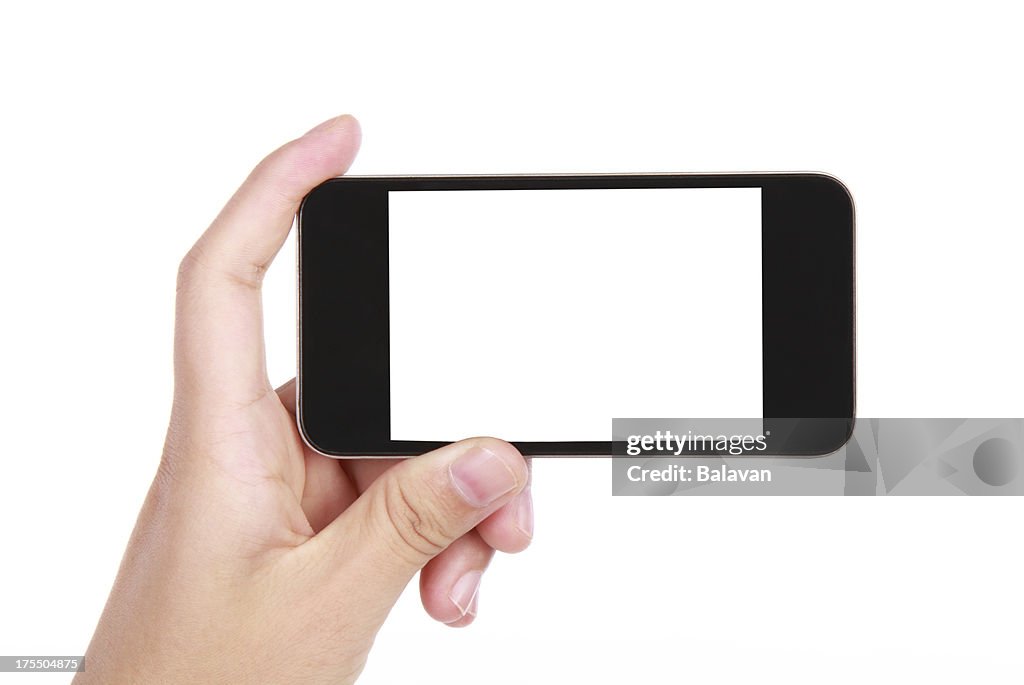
x,y
539,315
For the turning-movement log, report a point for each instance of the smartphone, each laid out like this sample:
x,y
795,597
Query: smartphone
x,y
538,308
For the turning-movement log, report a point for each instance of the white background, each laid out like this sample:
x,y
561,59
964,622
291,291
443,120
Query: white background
x,y
124,129
581,305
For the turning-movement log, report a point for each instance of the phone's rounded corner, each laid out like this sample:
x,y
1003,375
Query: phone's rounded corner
x,y
840,442
836,185
851,424
308,439
312,196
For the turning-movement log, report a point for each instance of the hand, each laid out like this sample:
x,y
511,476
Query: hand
x,y
255,559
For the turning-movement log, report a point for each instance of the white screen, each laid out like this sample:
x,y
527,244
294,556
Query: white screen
x,y
539,315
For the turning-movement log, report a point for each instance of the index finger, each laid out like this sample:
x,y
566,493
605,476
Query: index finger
x,y
219,348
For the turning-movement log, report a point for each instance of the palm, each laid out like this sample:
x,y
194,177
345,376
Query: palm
x,y
286,484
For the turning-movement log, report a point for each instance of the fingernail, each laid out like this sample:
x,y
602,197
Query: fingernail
x,y
463,593
481,476
524,513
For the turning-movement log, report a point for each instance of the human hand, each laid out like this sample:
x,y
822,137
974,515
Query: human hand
x,y
255,559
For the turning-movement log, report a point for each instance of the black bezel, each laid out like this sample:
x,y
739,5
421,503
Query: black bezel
x,y
807,309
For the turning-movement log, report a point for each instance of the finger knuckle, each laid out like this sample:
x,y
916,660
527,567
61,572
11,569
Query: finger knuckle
x,y
213,269
419,531
187,268
193,267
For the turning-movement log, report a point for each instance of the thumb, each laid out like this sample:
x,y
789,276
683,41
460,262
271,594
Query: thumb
x,y
415,509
